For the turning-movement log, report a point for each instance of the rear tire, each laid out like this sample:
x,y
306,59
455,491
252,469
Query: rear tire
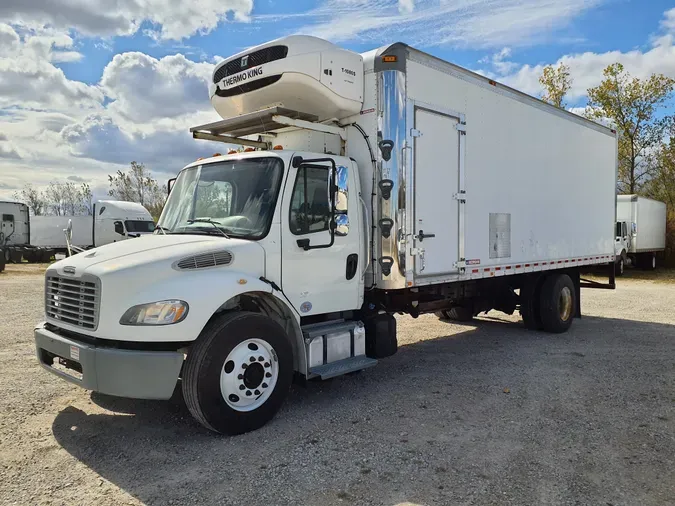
x,y
620,267
649,261
557,303
2,261
218,366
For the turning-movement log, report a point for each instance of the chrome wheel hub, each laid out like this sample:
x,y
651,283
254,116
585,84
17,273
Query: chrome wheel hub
x,y
249,374
565,304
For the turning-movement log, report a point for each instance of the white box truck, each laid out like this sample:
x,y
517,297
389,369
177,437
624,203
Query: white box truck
x,y
375,184
110,221
640,231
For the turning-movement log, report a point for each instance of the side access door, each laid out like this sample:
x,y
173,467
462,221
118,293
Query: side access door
x,y
438,149
321,236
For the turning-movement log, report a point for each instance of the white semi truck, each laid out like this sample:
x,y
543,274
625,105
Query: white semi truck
x,y
386,183
110,221
14,230
640,231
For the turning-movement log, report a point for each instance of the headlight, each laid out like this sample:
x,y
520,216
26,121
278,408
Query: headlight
x,y
164,312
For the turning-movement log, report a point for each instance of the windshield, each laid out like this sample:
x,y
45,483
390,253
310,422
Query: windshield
x,y
135,226
236,197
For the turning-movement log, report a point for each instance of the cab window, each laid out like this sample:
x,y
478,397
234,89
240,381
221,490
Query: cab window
x,y
310,206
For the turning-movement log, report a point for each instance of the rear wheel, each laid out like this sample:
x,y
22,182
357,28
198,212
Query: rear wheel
x,y
2,261
557,303
238,373
620,266
649,261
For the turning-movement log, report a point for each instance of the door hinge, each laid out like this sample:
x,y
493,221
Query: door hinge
x,y
415,133
461,196
461,264
416,251
460,127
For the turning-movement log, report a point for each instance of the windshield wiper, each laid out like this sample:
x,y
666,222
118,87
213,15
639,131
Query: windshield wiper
x,y
161,229
215,224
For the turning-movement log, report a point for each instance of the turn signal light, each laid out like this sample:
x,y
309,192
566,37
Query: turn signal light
x,y
200,158
389,59
216,154
278,147
232,152
248,150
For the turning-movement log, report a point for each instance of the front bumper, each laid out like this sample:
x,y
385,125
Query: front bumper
x,y
123,373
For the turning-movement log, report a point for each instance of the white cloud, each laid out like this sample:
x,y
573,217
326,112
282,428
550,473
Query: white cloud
x,y
406,6
145,88
586,68
171,19
462,23
28,77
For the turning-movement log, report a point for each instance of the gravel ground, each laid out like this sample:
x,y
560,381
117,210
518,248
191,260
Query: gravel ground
x,y
486,413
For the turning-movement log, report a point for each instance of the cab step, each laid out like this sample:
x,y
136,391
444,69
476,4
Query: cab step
x,y
344,366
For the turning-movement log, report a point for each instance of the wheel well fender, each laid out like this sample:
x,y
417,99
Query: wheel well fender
x,y
266,302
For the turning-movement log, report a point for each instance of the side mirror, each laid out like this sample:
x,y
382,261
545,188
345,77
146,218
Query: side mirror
x,y
69,231
341,225
169,185
342,190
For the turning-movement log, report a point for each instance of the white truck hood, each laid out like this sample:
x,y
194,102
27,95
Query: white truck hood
x,y
154,249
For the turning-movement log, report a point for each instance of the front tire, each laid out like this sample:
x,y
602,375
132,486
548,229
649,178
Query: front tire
x,y
620,266
557,303
226,385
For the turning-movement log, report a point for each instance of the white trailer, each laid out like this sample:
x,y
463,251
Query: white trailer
x,y
375,184
640,231
111,221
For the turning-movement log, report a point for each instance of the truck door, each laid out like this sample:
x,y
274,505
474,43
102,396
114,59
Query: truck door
x,y
436,156
321,270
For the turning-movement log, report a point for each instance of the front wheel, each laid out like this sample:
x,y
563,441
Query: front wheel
x,y
238,372
620,266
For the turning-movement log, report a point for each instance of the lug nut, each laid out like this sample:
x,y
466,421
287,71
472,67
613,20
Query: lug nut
x,y
268,374
252,359
261,359
267,364
257,392
264,385
248,393
242,387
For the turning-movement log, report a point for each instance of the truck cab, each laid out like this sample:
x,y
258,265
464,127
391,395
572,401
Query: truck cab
x,y
622,246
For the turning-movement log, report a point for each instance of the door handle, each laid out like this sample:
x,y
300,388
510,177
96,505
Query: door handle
x,y
420,237
352,264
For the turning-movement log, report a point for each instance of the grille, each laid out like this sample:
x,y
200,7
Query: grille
x,y
255,58
206,260
72,301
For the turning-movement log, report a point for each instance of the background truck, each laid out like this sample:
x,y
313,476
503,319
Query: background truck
x,y
14,231
375,184
111,221
640,231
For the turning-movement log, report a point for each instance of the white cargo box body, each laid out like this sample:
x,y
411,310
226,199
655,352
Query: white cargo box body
x,y
646,219
47,231
487,181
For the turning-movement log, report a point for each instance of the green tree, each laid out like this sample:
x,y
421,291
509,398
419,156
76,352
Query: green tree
x,y
138,185
635,108
556,81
